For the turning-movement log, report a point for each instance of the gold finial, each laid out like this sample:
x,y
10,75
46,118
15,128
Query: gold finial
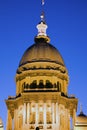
x,y
42,27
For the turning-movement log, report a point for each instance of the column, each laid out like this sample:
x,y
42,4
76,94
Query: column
x,y
74,117
24,119
53,119
53,113
9,121
66,119
28,113
69,121
44,115
15,119
36,122
56,115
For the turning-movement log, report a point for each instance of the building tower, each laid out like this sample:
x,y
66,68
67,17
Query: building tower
x,y
41,89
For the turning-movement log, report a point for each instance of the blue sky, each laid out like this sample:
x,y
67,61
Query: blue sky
x,y
67,28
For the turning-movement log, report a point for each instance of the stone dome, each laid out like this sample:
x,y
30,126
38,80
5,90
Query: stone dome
x,y
41,51
40,65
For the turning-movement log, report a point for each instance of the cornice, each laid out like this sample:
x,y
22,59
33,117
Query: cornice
x,y
42,72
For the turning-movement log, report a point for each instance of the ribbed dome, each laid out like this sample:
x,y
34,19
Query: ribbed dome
x,y
41,51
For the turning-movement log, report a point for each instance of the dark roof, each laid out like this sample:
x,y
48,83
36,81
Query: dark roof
x,y
41,51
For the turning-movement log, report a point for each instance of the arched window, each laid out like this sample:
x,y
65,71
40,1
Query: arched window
x,y
41,85
33,84
25,86
48,84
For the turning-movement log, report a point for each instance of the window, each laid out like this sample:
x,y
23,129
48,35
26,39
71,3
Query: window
x,y
41,85
33,84
48,84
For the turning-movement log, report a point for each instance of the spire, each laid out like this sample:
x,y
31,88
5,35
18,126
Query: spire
x,y
81,108
81,111
43,14
42,26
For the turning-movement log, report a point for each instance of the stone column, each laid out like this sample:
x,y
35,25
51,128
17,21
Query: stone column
x,y
15,120
53,113
24,119
74,117
28,113
53,119
36,122
69,121
56,115
44,116
9,121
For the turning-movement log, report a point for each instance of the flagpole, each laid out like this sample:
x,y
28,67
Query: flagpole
x,y
43,2
42,14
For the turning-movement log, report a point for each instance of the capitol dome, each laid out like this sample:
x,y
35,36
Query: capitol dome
x,y
41,51
42,66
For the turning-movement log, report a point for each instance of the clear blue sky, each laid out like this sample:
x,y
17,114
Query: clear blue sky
x,y
67,22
